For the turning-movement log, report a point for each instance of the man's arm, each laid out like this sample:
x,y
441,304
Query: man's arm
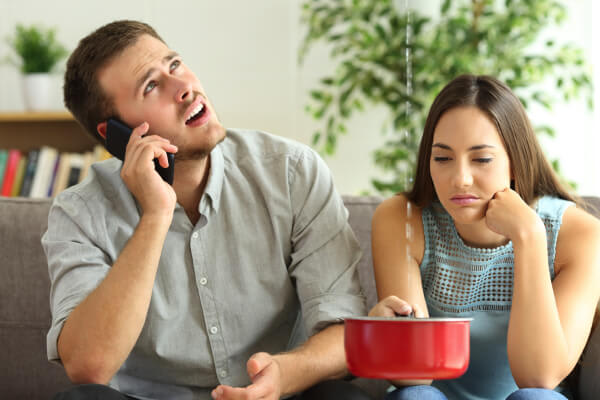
x,y
321,358
323,267
101,331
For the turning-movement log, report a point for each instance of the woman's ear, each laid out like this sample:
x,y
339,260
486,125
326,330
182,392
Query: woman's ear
x,y
101,128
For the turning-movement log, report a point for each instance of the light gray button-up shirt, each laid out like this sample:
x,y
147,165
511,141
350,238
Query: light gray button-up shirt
x,y
271,260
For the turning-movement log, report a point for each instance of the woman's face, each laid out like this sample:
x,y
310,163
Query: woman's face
x,y
468,164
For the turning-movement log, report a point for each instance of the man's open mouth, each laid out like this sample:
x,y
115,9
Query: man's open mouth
x,y
198,112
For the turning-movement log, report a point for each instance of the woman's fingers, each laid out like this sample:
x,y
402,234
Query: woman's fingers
x,y
390,307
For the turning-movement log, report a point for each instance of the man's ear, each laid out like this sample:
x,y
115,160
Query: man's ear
x,y
101,128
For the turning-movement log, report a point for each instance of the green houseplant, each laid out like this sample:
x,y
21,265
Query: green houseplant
x,y
368,42
38,53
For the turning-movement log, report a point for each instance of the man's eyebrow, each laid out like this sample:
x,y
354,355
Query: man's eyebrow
x,y
472,148
151,71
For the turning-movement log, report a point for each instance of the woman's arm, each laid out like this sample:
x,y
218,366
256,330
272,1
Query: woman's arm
x,y
550,321
396,261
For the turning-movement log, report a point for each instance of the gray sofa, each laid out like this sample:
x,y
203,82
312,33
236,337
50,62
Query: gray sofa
x,y
25,372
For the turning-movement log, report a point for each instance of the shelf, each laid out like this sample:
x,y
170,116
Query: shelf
x,y
26,131
36,116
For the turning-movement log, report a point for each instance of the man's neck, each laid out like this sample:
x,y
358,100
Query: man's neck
x,y
189,183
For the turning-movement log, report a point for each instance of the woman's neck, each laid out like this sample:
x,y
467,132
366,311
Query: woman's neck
x,y
479,235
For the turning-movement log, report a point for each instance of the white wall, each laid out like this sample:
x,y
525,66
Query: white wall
x,y
245,53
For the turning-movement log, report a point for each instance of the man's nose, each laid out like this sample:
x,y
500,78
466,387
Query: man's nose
x,y
183,90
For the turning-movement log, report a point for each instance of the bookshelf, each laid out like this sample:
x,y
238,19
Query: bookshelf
x,y
27,131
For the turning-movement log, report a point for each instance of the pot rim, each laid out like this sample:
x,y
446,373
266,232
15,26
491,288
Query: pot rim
x,y
409,319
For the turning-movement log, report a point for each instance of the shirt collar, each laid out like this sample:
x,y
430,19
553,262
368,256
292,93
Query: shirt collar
x,y
216,175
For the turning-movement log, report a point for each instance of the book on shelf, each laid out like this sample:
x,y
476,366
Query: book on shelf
x,y
3,160
75,167
32,160
10,172
18,183
44,172
60,183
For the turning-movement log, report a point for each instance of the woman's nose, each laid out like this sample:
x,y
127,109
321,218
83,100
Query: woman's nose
x,y
462,177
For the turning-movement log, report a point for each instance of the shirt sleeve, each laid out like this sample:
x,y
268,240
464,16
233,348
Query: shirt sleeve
x,y
76,263
325,251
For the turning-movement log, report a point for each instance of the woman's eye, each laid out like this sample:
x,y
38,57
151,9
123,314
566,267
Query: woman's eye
x,y
441,159
151,85
175,64
483,160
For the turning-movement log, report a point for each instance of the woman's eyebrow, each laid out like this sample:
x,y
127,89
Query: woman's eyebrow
x,y
472,148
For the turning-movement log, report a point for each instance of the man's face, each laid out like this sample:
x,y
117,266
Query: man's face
x,y
149,82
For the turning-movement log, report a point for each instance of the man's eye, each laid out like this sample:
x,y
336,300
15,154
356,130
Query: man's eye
x,y
483,160
441,159
175,64
151,85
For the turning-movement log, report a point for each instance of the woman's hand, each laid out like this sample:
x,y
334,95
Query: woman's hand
x,y
508,215
393,306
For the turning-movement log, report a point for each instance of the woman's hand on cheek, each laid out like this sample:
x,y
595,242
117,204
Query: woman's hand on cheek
x,y
508,215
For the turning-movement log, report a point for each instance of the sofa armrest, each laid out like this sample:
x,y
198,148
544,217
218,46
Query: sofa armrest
x,y
589,384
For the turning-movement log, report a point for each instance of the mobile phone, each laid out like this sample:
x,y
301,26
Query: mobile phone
x,y
117,137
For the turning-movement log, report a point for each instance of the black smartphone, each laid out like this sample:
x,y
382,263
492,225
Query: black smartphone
x,y
117,137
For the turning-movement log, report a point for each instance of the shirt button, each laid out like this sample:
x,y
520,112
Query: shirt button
x,y
214,330
195,235
203,281
223,373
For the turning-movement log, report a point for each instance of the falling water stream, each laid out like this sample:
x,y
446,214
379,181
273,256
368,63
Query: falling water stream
x,y
405,136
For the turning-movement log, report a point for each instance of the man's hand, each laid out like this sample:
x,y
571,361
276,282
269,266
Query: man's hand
x,y
265,374
154,195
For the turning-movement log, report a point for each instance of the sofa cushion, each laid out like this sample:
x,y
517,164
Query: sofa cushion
x,y
25,372
361,210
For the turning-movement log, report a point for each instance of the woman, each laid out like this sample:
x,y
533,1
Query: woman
x,y
488,232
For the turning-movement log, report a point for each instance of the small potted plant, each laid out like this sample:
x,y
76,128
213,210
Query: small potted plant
x,y
39,51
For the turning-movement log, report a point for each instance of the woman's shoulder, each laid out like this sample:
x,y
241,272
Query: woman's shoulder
x,y
398,220
579,235
578,222
397,208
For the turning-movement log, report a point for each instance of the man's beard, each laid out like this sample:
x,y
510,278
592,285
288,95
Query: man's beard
x,y
198,154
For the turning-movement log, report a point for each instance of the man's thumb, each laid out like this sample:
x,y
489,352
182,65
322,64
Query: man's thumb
x,y
257,363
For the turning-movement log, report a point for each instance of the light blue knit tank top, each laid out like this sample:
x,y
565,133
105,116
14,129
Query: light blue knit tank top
x,y
463,281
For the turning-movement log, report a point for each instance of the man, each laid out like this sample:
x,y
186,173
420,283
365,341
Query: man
x,y
203,288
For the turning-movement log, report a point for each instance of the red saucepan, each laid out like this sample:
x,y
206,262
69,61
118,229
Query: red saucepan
x,y
407,348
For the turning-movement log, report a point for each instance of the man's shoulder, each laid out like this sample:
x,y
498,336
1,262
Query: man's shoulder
x,y
103,184
247,143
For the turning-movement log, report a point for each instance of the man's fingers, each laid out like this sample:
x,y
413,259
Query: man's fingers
x,y
257,363
252,392
140,130
149,150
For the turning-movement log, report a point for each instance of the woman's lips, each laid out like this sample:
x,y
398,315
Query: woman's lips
x,y
464,200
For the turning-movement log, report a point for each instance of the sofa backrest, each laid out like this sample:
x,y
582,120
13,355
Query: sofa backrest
x,y
25,372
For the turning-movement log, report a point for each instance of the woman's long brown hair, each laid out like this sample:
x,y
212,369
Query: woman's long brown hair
x,y
533,175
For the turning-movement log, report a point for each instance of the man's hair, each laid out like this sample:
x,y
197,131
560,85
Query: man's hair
x,y
533,176
82,93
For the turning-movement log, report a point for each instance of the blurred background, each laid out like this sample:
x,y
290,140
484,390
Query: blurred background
x,y
247,55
